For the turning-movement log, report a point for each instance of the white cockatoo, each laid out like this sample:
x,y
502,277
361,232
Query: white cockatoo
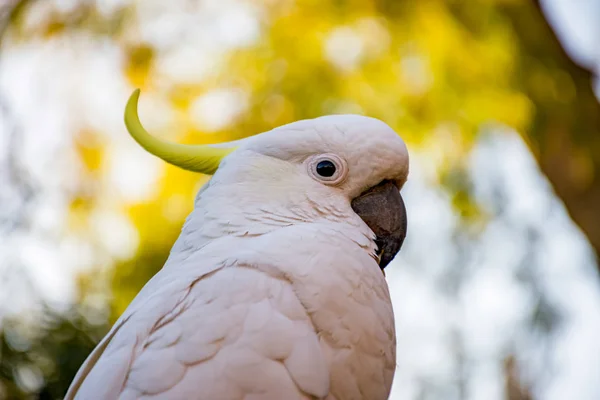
x,y
274,288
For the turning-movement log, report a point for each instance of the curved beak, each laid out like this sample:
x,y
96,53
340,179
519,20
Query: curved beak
x,y
383,210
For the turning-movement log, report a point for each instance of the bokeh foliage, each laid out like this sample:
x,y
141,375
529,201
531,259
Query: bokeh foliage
x,y
437,71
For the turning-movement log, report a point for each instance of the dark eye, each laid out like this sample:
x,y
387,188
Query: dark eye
x,y
325,168
328,168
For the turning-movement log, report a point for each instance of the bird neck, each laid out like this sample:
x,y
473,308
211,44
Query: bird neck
x,y
228,214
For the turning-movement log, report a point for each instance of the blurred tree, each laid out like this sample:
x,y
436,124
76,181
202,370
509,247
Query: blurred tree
x,y
514,387
437,71
43,359
565,132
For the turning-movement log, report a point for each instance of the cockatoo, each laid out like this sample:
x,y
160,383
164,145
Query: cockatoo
x,y
274,288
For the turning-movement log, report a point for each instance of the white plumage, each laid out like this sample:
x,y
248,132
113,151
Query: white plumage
x,y
272,290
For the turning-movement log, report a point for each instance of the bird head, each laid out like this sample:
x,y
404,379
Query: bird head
x,y
335,167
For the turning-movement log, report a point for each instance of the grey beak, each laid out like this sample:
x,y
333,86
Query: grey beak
x,y
383,210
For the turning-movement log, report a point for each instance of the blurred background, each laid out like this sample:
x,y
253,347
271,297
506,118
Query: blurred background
x,y
496,291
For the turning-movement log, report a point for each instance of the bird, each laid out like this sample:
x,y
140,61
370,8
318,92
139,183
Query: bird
x,y
275,287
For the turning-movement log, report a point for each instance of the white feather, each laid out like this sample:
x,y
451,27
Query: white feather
x,y
271,290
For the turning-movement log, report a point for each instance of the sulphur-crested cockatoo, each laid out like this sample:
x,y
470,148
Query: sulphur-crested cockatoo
x,y
274,289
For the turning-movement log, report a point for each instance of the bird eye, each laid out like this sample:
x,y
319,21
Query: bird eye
x,y
326,168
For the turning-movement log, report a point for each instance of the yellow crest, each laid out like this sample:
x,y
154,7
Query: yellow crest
x,y
199,158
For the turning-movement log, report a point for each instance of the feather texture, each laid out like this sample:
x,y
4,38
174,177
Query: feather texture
x,y
252,327
272,290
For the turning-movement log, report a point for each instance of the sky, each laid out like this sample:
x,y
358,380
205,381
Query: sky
x,y
577,24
